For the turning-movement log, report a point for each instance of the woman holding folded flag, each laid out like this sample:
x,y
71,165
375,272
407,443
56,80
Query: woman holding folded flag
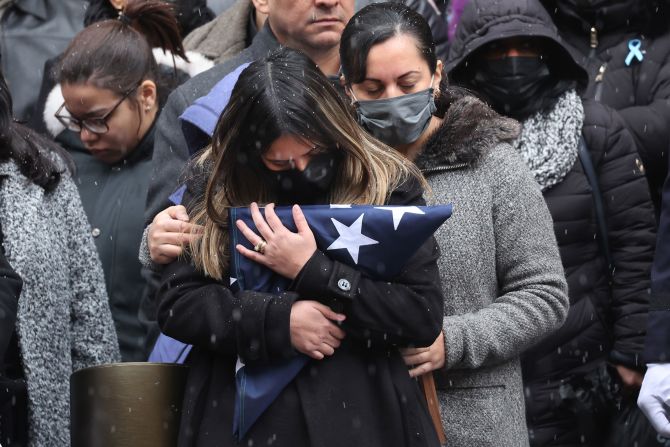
x,y
287,138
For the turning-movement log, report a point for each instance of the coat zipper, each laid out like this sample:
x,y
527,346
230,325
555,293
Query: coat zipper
x,y
601,71
444,168
599,82
594,41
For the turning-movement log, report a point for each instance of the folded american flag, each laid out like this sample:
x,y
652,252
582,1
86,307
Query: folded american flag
x,y
377,240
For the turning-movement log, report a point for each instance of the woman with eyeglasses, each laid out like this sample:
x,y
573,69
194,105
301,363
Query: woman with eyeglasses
x,y
112,90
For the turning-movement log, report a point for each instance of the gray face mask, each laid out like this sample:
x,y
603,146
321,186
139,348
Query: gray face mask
x,y
397,121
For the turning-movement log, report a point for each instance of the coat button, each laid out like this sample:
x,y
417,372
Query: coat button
x,y
640,165
96,232
344,285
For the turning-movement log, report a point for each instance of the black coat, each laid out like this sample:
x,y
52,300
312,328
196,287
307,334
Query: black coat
x,y
361,396
567,384
657,343
10,288
114,197
604,322
13,390
640,92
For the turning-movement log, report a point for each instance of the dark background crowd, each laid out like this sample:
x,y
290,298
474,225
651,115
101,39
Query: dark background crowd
x,y
545,122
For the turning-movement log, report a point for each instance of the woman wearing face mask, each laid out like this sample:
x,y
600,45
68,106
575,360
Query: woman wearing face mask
x,y
501,274
521,67
112,90
286,137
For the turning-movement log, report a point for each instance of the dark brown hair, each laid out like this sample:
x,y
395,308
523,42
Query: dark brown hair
x,y
33,154
379,22
116,54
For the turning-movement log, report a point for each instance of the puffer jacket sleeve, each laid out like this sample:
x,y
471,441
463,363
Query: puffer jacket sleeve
x,y
631,231
93,335
532,299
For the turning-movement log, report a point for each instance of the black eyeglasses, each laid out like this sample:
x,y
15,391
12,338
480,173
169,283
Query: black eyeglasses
x,y
95,125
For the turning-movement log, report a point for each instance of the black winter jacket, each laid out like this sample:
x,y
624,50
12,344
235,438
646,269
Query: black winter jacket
x,y
657,343
360,396
606,322
13,390
10,288
603,319
640,92
114,197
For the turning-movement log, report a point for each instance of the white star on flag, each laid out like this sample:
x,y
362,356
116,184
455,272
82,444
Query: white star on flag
x,y
351,237
399,211
232,280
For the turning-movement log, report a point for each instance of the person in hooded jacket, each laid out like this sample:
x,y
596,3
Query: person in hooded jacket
x,y
510,53
109,95
625,47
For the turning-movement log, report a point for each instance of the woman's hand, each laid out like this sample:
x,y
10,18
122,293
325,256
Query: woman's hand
x,y
169,232
424,360
313,329
284,252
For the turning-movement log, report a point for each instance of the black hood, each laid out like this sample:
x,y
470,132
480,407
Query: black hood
x,y
607,16
485,21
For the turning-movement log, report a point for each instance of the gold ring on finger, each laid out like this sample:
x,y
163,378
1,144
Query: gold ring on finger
x,y
260,247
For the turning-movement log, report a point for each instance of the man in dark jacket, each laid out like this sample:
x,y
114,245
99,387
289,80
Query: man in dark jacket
x,y
510,53
625,46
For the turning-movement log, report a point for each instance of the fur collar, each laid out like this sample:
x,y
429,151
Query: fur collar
x,y
468,131
197,63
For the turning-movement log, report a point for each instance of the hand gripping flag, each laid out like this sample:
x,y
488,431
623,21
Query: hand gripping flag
x,y
377,240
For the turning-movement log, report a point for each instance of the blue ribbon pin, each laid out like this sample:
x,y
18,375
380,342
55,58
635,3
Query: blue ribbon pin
x,y
634,46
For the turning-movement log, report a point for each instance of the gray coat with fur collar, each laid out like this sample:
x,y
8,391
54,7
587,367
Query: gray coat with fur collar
x,y
63,319
501,272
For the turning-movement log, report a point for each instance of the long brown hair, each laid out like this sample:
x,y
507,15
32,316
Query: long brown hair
x,y
285,94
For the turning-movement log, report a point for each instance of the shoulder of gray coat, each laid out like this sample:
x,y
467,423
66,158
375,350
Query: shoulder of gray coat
x,y
469,130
